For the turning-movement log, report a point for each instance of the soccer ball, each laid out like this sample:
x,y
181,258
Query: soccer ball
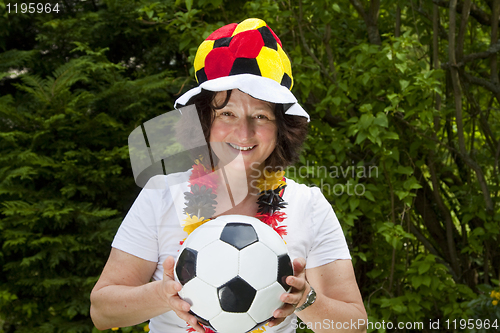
x,y
233,272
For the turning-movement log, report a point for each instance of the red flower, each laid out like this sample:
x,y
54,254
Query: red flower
x,y
200,176
273,221
207,330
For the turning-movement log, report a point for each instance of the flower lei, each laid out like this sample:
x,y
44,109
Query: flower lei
x,y
200,201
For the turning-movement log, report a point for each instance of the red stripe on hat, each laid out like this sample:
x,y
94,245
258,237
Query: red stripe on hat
x,y
275,36
246,44
218,63
225,31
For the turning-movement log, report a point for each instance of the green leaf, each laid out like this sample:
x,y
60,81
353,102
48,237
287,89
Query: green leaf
x,y
423,267
353,203
366,120
369,196
404,84
381,120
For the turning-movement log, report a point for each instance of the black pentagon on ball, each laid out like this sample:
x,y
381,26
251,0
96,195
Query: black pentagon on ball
x,y
284,269
239,235
186,265
236,295
203,321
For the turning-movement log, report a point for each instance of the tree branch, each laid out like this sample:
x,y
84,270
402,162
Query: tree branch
x,y
475,11
370,19
483,83
431,249
463,29
329,51
495,11
442,31
455,78
308,50
447,217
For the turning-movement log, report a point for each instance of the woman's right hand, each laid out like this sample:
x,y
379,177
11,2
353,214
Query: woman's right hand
x,y
169,293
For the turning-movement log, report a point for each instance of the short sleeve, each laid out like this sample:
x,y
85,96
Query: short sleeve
x,y
329,243
138,233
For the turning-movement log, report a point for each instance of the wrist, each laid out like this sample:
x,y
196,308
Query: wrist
x,y
307,300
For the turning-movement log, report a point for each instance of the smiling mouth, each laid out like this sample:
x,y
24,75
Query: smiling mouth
x,y
241,148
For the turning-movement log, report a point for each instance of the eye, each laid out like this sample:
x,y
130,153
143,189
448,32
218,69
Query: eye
x,y
262,116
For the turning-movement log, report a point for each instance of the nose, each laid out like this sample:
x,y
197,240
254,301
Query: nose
x,y
244,129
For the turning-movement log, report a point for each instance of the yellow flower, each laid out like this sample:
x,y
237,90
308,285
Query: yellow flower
x,y
261,329
115,328
495,294
146,328
193,222
271,180
495,302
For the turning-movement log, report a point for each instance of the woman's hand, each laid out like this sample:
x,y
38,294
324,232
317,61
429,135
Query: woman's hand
x,y
169,293
296,296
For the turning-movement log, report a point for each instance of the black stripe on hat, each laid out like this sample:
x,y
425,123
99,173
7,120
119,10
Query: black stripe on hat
x,y
268,38
245,66
222,42
201,76
286,80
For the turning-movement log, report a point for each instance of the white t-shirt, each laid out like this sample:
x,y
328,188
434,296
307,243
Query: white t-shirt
x,y
152,231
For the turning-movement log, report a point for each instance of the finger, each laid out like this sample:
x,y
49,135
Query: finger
x,y
297,282
292,298
168,267
172,287
193,322
299,265
275,321
179,304
284,311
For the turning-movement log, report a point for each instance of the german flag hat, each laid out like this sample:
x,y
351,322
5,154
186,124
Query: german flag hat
x,y
247,56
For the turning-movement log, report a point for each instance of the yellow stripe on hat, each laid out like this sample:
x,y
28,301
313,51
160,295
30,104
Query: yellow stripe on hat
x,y
287,66
201,54
270,64
249,24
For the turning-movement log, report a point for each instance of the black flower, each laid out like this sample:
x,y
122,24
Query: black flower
x,y
200,201
270,201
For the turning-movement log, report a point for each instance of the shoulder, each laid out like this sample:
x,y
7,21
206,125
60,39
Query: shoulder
x,y
297,191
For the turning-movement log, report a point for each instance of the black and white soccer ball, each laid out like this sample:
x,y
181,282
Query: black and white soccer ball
x,y
233,272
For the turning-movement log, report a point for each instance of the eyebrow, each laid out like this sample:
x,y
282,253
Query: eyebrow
x,y
270,106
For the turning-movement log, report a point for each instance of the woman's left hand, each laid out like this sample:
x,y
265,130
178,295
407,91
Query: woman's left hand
x,y
296,296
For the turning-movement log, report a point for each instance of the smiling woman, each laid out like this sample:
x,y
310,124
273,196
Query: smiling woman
x,y
255,128
245,125
291,130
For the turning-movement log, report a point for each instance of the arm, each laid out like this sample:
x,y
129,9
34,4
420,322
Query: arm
x,y
123,296
338,298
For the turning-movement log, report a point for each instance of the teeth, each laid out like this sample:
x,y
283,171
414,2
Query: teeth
x,y
241,148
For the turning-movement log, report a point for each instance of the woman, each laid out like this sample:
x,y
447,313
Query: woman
x,y
255,127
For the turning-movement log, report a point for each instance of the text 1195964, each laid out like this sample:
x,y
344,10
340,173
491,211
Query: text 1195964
x,y
32,8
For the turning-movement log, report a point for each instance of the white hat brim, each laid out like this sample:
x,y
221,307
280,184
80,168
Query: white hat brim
x,y
256,86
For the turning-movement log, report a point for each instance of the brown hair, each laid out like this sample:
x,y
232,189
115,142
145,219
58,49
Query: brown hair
x,y
292,130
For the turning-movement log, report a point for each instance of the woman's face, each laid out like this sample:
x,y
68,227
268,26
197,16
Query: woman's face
x,y
245,126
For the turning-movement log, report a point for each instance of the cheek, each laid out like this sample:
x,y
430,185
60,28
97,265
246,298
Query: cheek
x,y
270,135
217,132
